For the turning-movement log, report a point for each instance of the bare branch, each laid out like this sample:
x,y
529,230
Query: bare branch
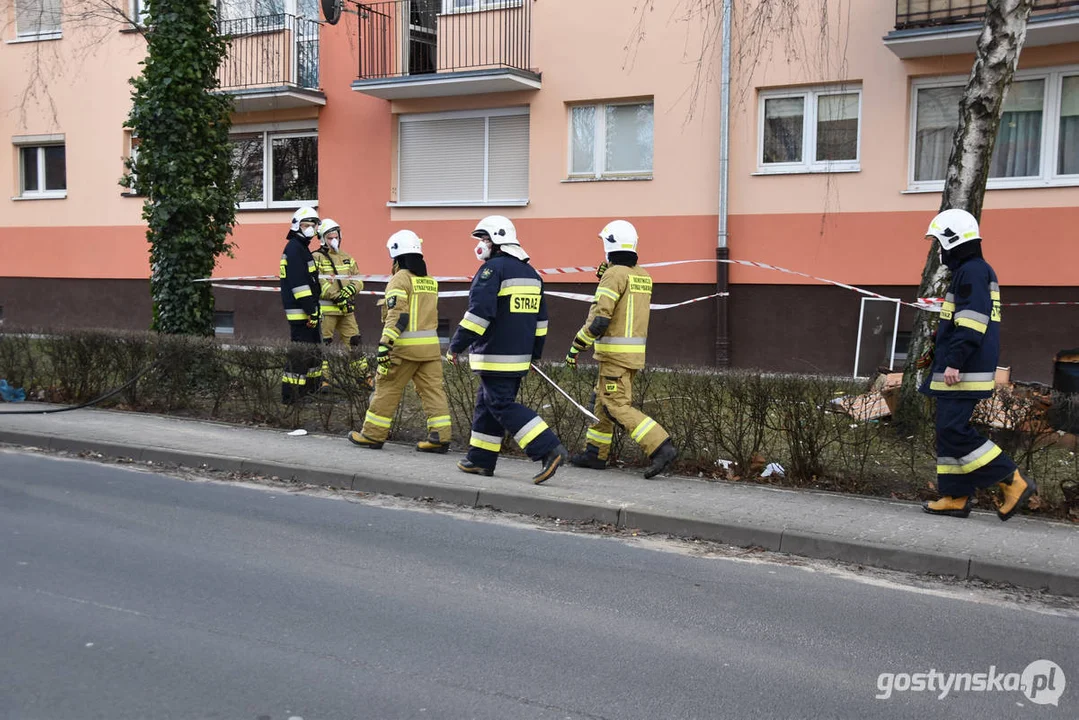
x,y
815,37
91,22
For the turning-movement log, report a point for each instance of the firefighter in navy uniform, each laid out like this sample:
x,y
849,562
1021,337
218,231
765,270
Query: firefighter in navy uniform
x,y
617,329
408,350
505,327
964,363
300,297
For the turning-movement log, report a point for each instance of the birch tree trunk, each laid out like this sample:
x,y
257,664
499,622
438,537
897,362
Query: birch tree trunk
x,y
999,44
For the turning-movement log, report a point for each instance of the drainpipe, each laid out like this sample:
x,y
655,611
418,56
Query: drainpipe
x,y
723,342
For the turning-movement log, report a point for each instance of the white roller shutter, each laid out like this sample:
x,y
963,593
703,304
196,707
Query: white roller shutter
x,y
442,160
507,163
37,17
463,158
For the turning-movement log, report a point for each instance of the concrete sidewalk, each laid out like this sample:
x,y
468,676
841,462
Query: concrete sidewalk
x,y
881,533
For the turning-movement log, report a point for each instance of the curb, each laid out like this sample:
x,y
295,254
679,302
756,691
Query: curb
x,y
776,539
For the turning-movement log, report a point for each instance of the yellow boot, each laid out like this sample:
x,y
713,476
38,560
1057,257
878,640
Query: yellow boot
x,y
1017,490
433,445
363,441
947,505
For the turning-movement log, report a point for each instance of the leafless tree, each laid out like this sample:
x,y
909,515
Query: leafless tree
x,y
809,33
816,35
96,22
999,44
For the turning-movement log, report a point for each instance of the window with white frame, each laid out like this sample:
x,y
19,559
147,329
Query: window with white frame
x,y
1037,142
243,9
37,18
138,12
611,140
276,168
810,130
132,143
458,6
42,166
463,158
246,9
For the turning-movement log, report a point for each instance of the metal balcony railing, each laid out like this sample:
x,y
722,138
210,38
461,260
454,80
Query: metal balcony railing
x,y
929,13
270,51
400,38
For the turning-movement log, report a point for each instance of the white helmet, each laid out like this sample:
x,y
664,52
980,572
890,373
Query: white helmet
x,y
404,242
304,213
953,227
619,236
326,226
500,231
498,228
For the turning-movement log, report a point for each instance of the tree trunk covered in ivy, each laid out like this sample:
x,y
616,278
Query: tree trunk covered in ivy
x,y
980,110
183,165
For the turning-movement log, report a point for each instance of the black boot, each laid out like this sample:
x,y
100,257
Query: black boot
x,y
661,459
589,459
472,468
551,463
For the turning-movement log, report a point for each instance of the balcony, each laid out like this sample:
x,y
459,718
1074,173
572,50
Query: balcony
x,y
272,62
442,48
928,28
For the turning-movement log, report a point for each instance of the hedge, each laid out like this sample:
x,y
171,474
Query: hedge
x,y
728,424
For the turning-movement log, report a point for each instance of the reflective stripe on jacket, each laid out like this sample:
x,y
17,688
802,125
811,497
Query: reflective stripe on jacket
x,y
410,317
506,321
299,280
332,262
624,297
968,335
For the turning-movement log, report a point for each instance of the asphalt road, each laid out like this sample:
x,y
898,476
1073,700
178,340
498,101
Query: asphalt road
x,y
132,595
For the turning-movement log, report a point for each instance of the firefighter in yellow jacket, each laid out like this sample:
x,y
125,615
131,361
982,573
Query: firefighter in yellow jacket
x,y
337,301
617,327
408,350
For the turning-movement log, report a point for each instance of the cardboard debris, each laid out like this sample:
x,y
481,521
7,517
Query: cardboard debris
x,y
879,402
1021,407
871,406
883,398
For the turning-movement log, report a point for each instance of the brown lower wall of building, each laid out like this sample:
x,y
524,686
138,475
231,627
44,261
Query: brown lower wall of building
x,y
786,328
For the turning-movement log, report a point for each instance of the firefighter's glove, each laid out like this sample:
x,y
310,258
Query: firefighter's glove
x,y
571,357
383,359
346,292
451,357
925,360
601,269
312,320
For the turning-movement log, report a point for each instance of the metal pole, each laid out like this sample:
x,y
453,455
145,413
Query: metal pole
x,y
566,395
723,343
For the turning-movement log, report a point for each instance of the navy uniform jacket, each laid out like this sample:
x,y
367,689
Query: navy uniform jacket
x,y
299,280
968,336
506,322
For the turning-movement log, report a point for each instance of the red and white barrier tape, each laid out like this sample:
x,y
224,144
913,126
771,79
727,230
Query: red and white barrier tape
x,y
928,304
934,304
464,293
654,306
365,278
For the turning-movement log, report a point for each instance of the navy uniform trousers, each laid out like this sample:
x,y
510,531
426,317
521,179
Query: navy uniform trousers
x,y
303,364
498,412
966,461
